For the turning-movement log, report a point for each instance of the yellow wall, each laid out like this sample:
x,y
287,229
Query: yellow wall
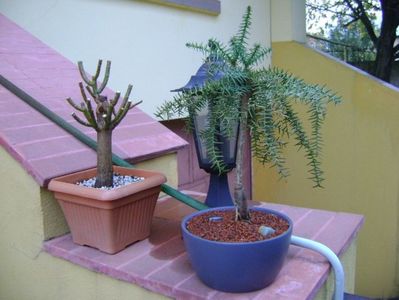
x,y
29,215
166,164
361,162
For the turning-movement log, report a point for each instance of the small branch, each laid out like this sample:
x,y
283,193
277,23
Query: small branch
x,y
111,110
74,105
119,117
88,112
338,13
124,104
79,120
106,77
127,94
354,20
90,118
91,113
114,101
98,70
83,73
83,93
135,104
90,92
122,113
123,109
93,82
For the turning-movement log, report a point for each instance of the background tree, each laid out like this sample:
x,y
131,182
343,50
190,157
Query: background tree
x,y
361,48
342,14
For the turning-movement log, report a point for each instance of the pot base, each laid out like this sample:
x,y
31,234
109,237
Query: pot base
x,y
111,230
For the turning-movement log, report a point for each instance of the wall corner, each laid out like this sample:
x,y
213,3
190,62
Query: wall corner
x,y
288,20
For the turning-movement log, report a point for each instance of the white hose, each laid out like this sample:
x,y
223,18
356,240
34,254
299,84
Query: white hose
x,y
332,258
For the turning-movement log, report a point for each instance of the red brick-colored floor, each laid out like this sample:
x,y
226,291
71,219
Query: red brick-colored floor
x,y
160,263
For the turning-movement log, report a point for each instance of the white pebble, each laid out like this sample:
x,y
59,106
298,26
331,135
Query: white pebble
x,y
119,180
265,230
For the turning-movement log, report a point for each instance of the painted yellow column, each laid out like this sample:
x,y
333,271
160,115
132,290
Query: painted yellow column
x,y
288,20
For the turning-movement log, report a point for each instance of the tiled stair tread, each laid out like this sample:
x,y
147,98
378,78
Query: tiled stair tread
x,y
41,147
160,263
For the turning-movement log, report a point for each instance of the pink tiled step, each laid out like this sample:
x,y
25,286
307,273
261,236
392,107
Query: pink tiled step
x,y
160,263
42,148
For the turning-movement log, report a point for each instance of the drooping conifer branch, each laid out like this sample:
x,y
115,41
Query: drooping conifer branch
x,y
264,108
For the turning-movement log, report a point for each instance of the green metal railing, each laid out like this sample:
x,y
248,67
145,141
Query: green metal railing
x,y
90,142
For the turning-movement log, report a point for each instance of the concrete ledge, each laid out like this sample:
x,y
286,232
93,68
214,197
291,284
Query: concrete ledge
x,y
205,6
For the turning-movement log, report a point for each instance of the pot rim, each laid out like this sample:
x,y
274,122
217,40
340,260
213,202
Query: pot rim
x,y
259,208
67,184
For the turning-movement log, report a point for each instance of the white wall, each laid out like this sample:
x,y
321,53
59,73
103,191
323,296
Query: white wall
x,y
289,20
145,41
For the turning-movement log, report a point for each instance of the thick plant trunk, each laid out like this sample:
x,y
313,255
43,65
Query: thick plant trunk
x,y
385,47
104,159
239,193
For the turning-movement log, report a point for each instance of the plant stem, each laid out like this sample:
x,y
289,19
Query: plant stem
x,y
104,159
239,193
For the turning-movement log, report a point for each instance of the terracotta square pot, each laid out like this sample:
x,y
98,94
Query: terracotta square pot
x,y
108,220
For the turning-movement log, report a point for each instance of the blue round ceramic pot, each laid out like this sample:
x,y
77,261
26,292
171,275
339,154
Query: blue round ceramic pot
x,y
237,267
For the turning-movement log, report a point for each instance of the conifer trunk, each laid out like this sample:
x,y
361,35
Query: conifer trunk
x,y
239,193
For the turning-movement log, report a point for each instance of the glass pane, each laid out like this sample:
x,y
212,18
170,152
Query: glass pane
x,y
201,123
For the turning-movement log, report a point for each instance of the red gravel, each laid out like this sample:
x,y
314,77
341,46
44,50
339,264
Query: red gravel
x,y
229,230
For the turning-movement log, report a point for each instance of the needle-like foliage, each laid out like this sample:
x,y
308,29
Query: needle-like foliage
x,y
262,100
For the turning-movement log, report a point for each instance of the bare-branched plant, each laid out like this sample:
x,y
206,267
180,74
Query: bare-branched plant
x,y
104,117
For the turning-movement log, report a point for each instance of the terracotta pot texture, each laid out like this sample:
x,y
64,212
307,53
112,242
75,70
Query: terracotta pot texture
x,y
108,220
